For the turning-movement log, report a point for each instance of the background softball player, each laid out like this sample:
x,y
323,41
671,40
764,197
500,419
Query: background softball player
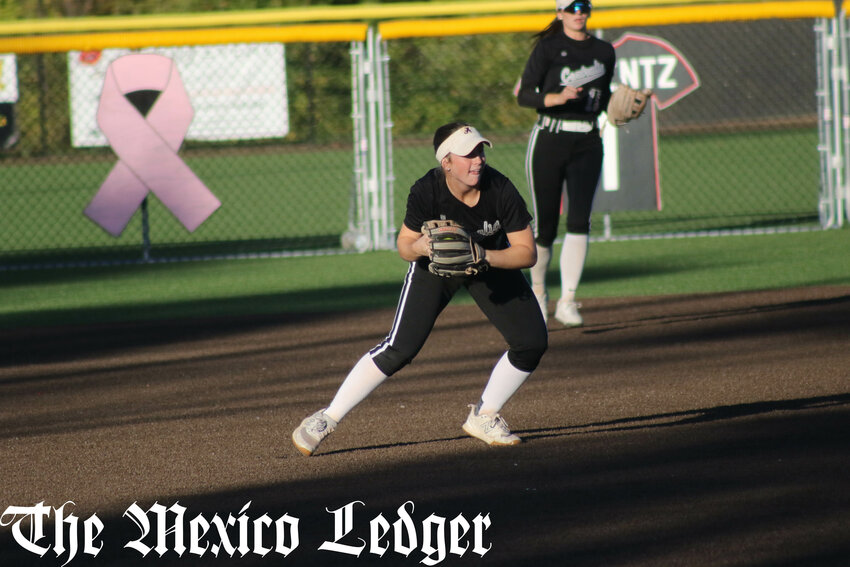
x,y
490,209
567,79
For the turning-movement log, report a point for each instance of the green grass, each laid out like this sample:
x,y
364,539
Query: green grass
x,y
265,195
708,181
32,298
298,198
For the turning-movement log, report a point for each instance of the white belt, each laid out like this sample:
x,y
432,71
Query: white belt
x,y
555,125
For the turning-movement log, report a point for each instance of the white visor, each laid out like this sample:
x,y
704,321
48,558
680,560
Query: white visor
x,y
564,4
461,142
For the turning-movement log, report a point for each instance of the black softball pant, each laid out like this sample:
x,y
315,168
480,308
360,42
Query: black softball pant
x,y
552,159
504,296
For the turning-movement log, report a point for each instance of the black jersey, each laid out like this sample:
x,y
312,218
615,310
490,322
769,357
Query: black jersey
x,y
499,211
552,60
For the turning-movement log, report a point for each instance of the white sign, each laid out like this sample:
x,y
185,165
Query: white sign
x,y
631,178
8,78
238,92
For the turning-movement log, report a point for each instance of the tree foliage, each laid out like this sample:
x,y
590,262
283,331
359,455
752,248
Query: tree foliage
x,y
25,9
474,84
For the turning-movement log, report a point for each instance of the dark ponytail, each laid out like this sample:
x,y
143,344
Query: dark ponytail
x,y
554,27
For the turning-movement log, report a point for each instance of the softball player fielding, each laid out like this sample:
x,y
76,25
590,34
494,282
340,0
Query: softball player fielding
x,y
464,189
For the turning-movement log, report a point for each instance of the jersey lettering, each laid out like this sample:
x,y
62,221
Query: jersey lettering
x,y
490,229
582,75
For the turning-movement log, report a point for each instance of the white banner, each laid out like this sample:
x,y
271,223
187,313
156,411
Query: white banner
x,y
8,78
238,92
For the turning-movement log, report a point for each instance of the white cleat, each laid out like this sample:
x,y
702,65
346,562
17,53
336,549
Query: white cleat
x,y
491,429
312,431
567,313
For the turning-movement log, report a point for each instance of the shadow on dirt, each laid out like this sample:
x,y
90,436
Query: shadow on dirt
x,y
769,477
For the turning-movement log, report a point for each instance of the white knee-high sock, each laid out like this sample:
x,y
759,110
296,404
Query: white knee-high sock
x,y
573,256
538,270
359,383
504,381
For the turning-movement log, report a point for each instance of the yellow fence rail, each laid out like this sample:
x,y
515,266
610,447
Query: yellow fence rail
x,y
172,38
361,12
26,36
605,19
679,11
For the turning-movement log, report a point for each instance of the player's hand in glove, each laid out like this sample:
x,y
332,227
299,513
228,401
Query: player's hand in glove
x,y
626,104
453,253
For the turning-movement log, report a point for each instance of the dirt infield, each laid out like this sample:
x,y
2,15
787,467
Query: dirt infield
x,y
695,430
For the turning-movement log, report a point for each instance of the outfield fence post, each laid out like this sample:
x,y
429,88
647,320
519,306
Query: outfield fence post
x,y
358,222
829,79
381,143
388,177
843,192
372,96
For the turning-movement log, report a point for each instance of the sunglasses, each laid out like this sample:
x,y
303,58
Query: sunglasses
x,y
577,8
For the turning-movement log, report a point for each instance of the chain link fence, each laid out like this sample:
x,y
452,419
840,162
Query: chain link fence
x,y
284,193
738,153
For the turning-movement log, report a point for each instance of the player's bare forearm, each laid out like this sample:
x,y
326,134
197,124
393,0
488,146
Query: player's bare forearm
x,y
513,258
559,98
411,245
521,254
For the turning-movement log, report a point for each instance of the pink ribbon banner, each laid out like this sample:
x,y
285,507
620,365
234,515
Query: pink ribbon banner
x,y
147,146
